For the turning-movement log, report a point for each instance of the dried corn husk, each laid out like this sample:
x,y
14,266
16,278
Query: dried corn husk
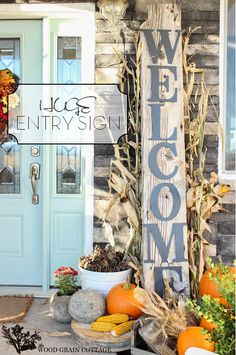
x,y
203,195
164,320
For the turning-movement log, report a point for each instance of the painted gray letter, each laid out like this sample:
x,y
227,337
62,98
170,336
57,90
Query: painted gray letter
x,y
156,84
159,283
154,201
152,160
177,232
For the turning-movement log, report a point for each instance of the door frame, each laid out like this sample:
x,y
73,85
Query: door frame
x,y
85,14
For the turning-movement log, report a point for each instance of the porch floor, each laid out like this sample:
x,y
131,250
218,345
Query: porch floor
x,y
53,334
26,290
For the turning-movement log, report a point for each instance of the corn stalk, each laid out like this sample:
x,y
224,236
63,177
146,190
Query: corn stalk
x,y
203,194
125,168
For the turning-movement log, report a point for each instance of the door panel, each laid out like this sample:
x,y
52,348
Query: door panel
x,y
21,231
61,184
66,206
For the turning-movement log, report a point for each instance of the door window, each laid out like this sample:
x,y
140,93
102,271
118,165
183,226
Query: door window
x,y
68,60
9,150
68,157
68,169
10,54
9,167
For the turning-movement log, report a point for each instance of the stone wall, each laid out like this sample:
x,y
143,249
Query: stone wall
x,y
204,51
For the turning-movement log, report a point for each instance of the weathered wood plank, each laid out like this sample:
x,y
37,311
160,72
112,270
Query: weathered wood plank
x,y
106,76
204,39
166,17
109,37
105,26
185,5
203,49
105,61
200,15
104,48
206,61
203,27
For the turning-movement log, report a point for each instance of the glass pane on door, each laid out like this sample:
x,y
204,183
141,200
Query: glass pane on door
x,y
68,169
10,167
9,150
68,60
10,54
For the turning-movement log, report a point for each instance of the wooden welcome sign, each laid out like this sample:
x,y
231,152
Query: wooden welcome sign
x,y
163,152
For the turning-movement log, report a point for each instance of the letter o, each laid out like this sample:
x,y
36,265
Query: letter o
x,y
154,201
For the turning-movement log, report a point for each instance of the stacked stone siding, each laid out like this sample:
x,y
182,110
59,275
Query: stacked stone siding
x,y
204,51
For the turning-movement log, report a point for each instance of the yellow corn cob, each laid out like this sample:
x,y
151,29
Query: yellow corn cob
x,y
122,328
102,327
115,318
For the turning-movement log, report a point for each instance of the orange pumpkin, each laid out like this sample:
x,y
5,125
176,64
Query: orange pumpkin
x,y
120,299
209,287
207,325
193,337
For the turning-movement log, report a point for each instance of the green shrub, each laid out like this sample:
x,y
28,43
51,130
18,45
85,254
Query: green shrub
x,y
223,317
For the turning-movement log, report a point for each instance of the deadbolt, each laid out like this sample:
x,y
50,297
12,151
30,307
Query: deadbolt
x,y
35,151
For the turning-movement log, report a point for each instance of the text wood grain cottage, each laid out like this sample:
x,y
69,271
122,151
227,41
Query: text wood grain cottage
x,y
163,165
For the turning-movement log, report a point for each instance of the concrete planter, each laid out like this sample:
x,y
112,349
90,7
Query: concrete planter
x,y
59,308
102,281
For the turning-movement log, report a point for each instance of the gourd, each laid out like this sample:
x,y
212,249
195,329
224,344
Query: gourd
x,y
193,337
209,287
120,299
86,306
122,328
207,325
116,318
102,326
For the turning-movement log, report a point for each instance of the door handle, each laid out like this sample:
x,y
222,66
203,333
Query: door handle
x,y
34,175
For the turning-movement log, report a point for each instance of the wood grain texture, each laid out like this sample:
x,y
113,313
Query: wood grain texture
x,y
88,338
163,16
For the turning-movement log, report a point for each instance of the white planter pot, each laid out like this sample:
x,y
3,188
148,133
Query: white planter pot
x,y
103,281
197,351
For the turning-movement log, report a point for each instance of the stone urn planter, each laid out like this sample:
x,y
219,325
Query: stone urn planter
x,y
86,306
59,308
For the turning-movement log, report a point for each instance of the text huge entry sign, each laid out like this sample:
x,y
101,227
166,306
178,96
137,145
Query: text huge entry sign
x,y
163,152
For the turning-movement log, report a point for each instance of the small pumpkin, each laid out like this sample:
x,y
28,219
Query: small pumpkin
x,y
209,287
120,299
207,325
193,337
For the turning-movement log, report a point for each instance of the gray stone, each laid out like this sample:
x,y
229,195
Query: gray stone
x,y
189,5
226,246
86,306
227,227
59,308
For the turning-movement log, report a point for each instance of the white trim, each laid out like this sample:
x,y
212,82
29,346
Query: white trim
x,y
39,11
226,176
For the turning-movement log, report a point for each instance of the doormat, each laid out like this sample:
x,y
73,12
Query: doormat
x,y
14,308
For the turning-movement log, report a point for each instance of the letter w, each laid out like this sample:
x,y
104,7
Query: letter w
x,y
154,50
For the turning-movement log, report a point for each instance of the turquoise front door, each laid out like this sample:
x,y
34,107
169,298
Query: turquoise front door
x,y
36,238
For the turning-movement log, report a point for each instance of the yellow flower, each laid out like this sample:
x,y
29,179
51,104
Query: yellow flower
x,y
13,100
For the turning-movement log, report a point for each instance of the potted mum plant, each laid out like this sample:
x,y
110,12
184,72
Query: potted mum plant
x,y
65,279
103,269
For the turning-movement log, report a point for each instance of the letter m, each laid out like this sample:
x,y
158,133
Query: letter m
x,y
177,233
